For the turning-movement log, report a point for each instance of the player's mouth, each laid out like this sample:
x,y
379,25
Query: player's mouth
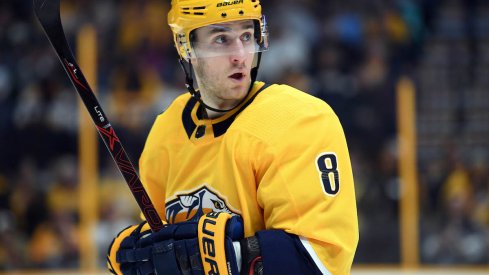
x,y
237,77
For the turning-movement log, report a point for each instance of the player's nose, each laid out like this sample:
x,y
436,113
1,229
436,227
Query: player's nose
x,y
238,53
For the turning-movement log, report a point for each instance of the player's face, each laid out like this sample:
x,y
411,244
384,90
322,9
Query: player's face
x,y
225,55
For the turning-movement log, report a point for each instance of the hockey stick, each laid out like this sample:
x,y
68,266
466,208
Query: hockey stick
x,y
48,14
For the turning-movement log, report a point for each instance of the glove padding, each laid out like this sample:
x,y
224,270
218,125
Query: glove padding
x,y
203,247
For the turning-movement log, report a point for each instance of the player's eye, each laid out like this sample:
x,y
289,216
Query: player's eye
x,y
246,36
221,39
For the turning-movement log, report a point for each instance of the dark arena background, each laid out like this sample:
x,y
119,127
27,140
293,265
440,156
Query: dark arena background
x,y
409,80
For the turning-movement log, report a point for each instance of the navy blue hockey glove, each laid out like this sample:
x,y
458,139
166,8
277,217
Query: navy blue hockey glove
x,y
203,247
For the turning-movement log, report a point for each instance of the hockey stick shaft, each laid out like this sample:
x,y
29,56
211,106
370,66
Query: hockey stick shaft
x,y
48,14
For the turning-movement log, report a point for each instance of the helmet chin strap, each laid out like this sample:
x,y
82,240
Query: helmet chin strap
x,y
189,83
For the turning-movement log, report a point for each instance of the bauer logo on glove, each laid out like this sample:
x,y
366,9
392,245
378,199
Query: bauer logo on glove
x,y
203,247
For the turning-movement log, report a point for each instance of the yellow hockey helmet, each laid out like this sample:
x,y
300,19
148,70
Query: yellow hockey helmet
x,y
188,15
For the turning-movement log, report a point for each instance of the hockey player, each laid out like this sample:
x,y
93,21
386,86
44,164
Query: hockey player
x,y
249,178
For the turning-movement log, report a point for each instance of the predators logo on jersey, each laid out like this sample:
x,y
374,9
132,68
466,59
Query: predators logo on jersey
x,y
194,204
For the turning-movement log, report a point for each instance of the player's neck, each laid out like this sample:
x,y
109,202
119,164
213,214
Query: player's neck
x,y
218,104
213,114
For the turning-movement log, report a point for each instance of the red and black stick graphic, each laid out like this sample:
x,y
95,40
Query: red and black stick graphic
x,y
48,13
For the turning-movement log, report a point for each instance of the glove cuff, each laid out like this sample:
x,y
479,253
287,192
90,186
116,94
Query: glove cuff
x,y
251,256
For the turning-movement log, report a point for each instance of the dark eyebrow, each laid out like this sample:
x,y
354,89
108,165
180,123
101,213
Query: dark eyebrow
x,y
248,26
219,29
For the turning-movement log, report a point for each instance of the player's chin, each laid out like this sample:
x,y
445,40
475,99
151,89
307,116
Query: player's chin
x,y
239,91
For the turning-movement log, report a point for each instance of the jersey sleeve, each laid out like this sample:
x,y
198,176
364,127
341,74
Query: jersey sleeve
x,y
307,193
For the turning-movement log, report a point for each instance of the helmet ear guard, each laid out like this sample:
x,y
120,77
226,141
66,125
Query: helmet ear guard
x,y
263,33
183,46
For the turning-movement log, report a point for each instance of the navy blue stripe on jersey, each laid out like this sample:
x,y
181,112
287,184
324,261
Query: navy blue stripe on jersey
x,y
221,127
283,253
188,123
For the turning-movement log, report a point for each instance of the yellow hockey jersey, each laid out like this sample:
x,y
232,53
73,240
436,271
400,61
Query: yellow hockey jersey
x,y
280,160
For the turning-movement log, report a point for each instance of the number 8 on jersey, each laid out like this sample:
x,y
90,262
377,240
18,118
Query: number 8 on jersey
x,y
327,166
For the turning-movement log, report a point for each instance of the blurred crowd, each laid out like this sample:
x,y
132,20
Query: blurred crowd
x,y
453,132
351,53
